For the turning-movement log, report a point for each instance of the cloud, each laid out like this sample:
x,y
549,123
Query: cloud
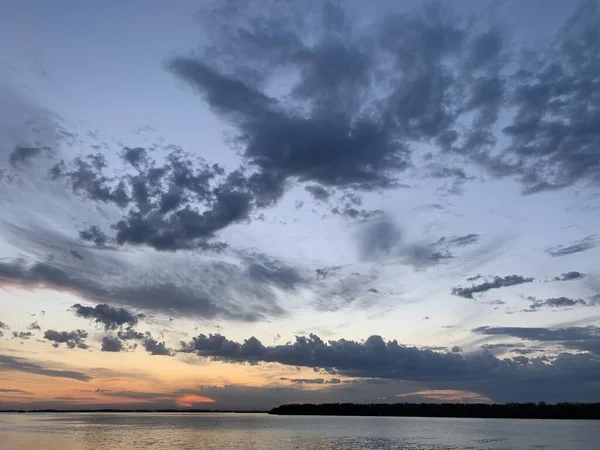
x,y
129,334
13,363
3,326
106,315
579,338
111,344
23,155
150,344
383,239
72,339
154,347
34,326
568,276
496,283
311,380
22,335
463,241
318,192
355,214
95,235
584,244
211,288
13,391
325,272
268,271
555,303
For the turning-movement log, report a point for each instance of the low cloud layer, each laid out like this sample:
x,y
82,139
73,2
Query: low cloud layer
x,y
374,357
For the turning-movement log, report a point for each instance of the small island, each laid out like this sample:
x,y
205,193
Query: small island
x,y
573,411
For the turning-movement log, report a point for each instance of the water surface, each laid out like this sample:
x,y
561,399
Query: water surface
x,y
127,431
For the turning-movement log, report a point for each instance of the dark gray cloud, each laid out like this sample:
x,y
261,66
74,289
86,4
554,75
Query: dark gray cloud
x,y
555,303
154,347
3,326
13,363
318,192
475,277
150,344
584,244
500,346
353,213
72,339
129,334
568,276
111,344
22,335
496,283
578,338
372,358
75,254
21,155
269,271
180,204
106,315
95,235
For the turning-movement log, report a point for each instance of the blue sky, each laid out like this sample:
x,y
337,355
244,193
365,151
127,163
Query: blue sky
x,y
427,174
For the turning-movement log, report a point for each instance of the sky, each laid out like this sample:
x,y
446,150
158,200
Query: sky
x,y
235,205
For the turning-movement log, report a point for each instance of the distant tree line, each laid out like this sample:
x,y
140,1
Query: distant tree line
x,y
589,411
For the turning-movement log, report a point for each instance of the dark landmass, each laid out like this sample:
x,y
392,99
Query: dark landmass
x,y
108,410
579,411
